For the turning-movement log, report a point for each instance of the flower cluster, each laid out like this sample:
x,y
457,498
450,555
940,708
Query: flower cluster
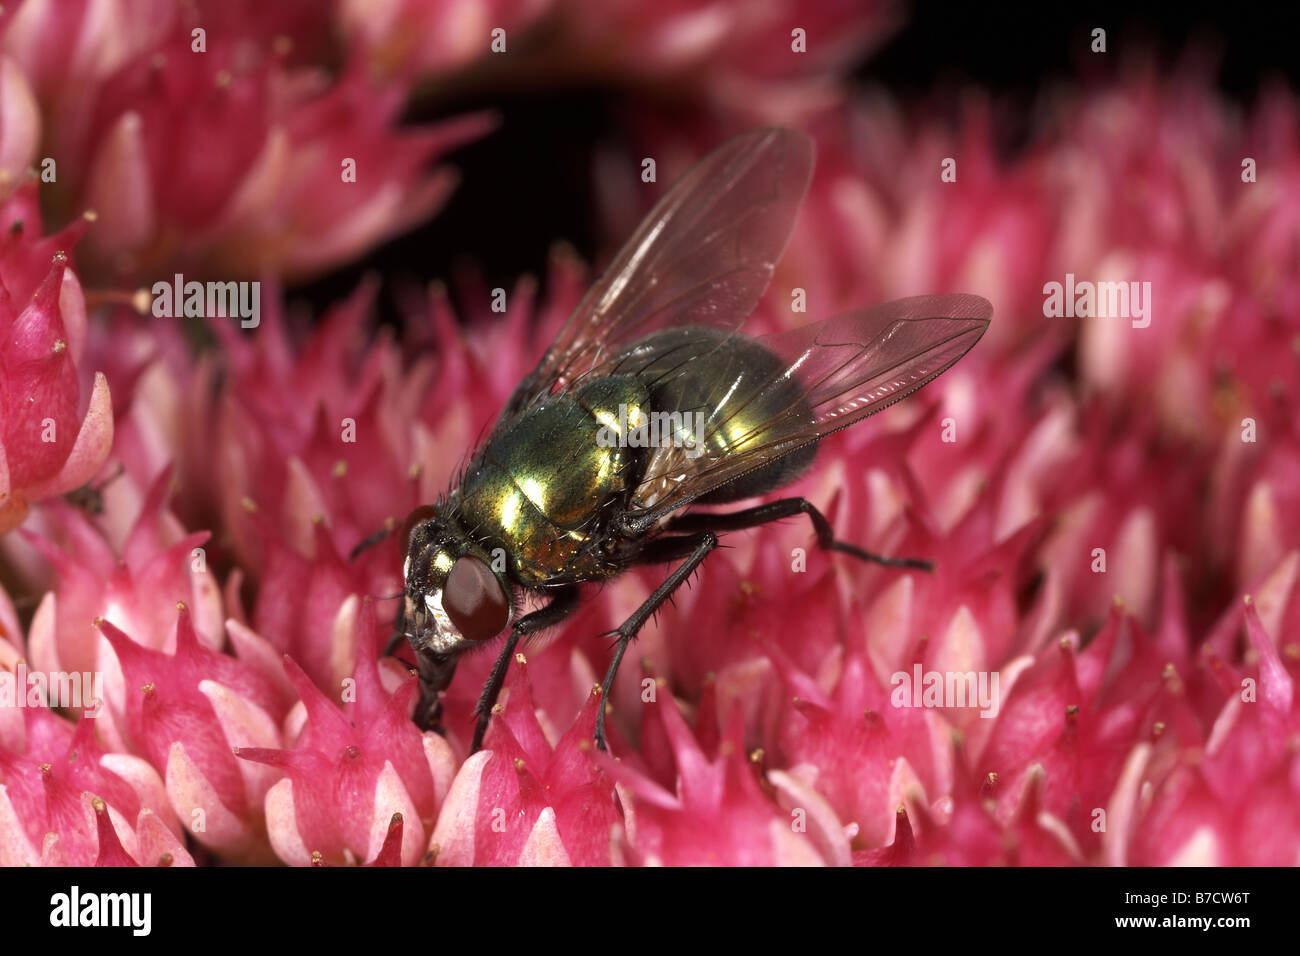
x,y
56,426
1100,669
269,136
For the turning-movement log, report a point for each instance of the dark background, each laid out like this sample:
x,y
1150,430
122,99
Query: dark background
x,y
529,183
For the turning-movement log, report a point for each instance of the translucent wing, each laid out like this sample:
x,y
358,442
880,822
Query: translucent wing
x,y
702,256
847,367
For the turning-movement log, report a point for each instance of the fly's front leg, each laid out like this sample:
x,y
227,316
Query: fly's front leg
x,y
788,508
399,631
435,672
561,606
698,547
367,543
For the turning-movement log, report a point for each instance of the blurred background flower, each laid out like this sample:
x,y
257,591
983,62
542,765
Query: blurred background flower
x,y
423,189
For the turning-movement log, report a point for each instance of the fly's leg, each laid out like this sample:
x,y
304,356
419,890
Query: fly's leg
x,y
561,606
436,672
367,543
788,508
422,513
399,631
697,546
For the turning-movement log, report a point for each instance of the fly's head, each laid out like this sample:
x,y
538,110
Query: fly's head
x,y
453,598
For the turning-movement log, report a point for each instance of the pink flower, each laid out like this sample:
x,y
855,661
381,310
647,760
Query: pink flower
x,y
429,38
138,586
722,812
351,769
530,797
20,123
744,56
287,168
64,801
52,437
187,713
1231,801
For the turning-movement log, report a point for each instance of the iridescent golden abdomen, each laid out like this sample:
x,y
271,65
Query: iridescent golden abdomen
x,y
737,386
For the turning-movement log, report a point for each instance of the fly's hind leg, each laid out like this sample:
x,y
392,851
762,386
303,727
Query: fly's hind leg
x,y
788,508
695,548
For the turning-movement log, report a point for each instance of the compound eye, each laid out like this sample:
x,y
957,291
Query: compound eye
x,y
474,600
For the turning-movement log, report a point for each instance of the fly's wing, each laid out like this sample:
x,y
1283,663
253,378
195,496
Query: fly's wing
x,y
703,256
846,368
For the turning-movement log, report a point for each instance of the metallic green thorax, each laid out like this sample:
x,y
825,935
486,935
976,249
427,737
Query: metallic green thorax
x,y
540,487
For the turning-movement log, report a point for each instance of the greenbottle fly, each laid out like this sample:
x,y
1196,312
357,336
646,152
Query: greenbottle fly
x,y
649,402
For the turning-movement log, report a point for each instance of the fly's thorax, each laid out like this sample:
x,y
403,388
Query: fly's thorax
x,y
493,501
454,596
620,405
544,484
553,457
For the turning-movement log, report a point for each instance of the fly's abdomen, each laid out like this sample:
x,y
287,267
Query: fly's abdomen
x,y
545,485
725,391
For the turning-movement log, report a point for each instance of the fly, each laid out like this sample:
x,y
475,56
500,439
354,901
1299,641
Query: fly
x,y
651,401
